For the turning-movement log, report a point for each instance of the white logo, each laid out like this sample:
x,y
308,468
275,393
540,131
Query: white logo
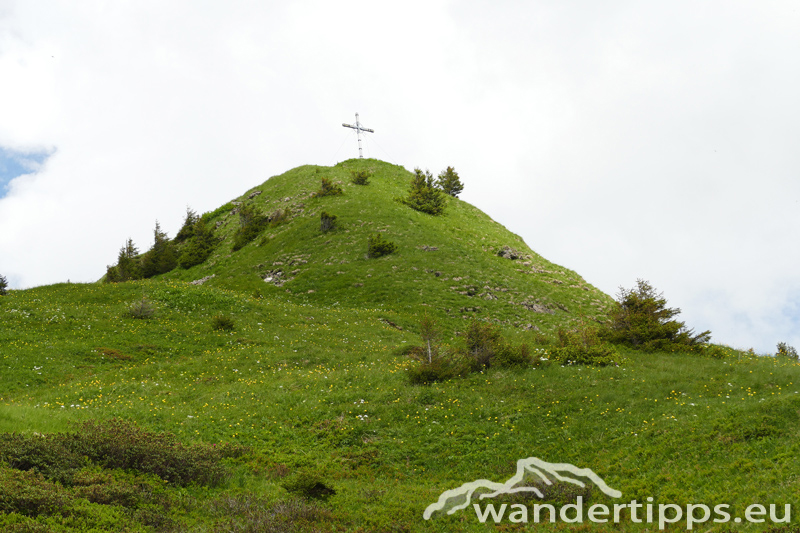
x,y
531,465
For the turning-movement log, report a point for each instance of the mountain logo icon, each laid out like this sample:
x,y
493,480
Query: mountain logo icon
x,y
542,472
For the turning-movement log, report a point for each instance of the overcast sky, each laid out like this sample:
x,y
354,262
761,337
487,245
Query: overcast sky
x,y
622,140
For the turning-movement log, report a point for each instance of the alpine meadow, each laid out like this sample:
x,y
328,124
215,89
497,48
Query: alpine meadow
x,y
338,346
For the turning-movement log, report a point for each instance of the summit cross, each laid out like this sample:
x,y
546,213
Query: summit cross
x,y
359,128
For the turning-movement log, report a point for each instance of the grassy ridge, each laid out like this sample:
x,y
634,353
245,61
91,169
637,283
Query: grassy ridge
x,y
313,382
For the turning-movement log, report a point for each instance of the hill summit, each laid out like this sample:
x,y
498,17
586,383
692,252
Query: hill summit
x,y
460,264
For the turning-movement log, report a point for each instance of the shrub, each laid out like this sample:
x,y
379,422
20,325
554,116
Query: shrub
x,y
30,494
583,347
278,217
44,454
378,247
187,230
436,363
128,265
3,285
360,177
251,224
486,347
327,222
142,309
222,323
200,246
423,195
309,485
449,182
642,320
328,188
119,444
161,257
786,350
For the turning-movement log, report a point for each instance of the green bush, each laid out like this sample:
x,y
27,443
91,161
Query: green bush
x,y
128,265
360,177
3,285
30,494
251,224
222,323
328,188
200,246
786,350
187,230
309,485
378,247
435,362
583,347
44,454
449,182
327,222
161,257
278,217
142,309
119,444
423,195
641,319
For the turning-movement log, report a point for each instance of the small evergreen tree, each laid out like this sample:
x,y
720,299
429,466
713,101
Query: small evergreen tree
x,y
642,320
360,177
328,188
3,285
251,224
200,246
378,247
423,195
449,182
128,265
187,230
327,222
161,257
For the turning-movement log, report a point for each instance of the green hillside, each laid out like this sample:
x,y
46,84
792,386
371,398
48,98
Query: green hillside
x,y
448,263
302,417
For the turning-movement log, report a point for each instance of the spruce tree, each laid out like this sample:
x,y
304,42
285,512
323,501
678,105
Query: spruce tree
x,y
3,285
187,230
449,182
200,246
423,195
161,257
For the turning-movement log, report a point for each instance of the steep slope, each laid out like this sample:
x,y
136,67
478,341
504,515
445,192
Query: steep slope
x,y
449,263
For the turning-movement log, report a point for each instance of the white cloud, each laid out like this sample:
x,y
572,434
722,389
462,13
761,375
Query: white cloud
x,y
622,141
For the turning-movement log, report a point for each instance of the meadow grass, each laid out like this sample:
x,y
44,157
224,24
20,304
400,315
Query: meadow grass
x,y
315,383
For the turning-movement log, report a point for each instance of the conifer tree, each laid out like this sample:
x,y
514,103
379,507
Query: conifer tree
x,y
187,230
3,285
161,257
423,194
449,182
199,248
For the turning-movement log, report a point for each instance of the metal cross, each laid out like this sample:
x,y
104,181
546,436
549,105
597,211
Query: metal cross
x,y
359,128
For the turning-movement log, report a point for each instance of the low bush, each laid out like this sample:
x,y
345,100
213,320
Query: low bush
x,y
119,444
251,224
583,346
360,177
43,454
30,494
377,246
327,222
222,323
328,188
786,351
142,309
278,217
485,347
309,485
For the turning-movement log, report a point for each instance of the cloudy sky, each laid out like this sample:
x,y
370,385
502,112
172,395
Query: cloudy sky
x,y
623,140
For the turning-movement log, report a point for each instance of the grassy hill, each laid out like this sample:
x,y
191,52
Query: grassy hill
x,y
313,387
448,263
